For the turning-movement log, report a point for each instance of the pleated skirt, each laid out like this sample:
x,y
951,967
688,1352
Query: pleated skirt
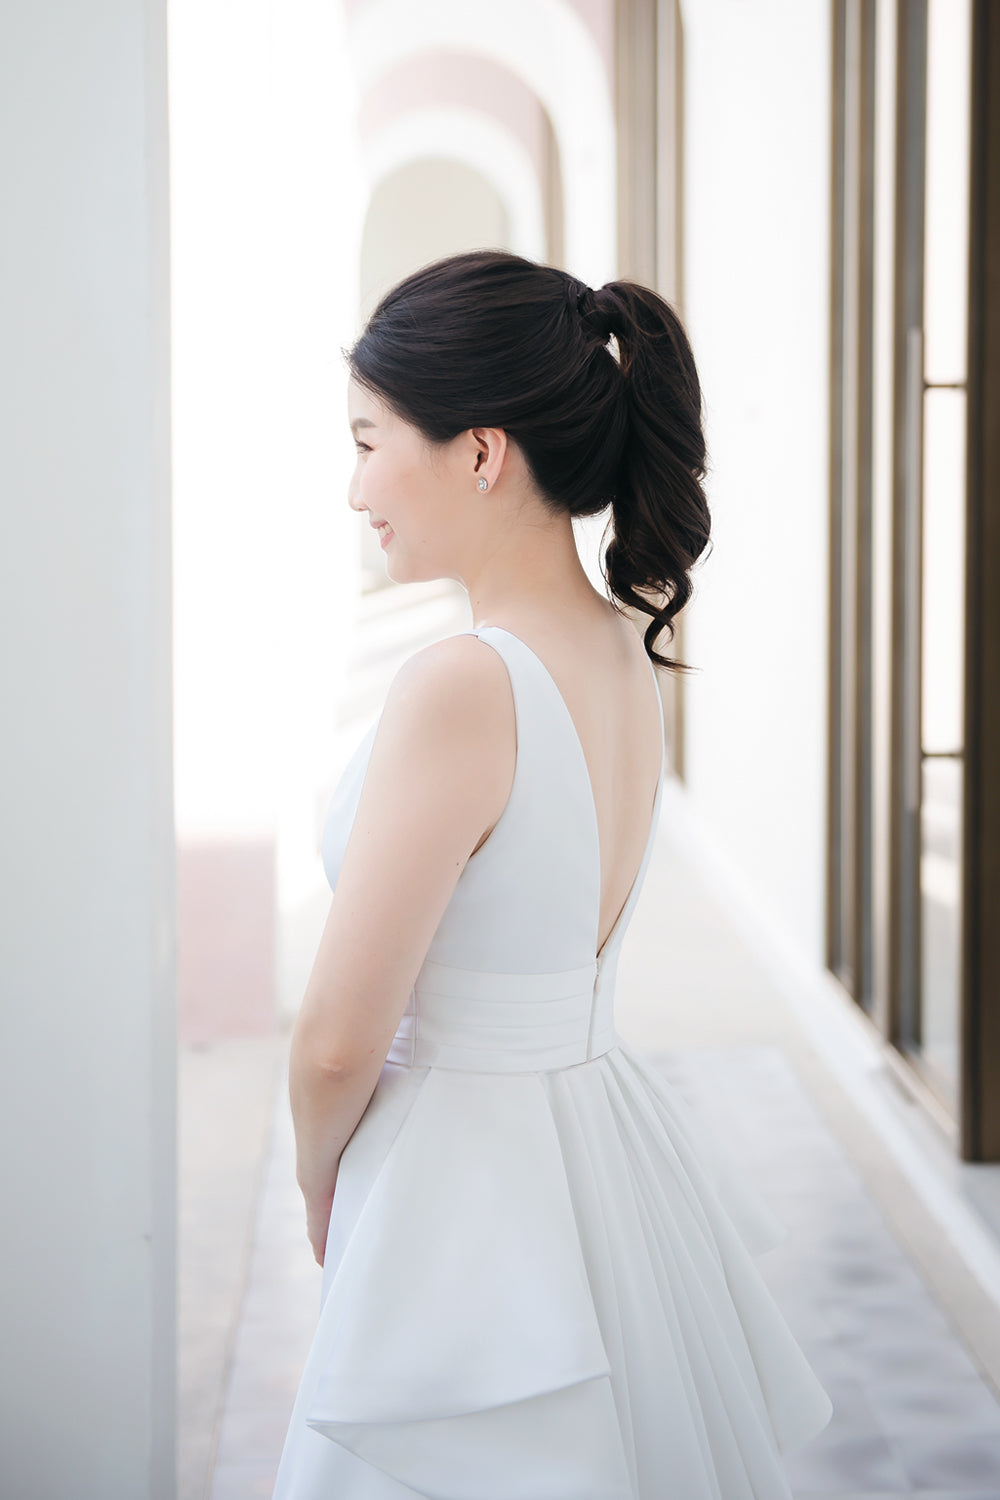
x,y
543,1286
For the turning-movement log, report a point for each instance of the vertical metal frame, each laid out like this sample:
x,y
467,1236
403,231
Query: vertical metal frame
x,y
638,138
835,589
904,893
863,527
980,1020
649,65
850,896
552,194
670,280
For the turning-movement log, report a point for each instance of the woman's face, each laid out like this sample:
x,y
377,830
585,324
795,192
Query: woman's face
x,y
417,496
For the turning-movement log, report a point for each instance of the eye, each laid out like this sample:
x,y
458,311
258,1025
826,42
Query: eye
x,y
361,447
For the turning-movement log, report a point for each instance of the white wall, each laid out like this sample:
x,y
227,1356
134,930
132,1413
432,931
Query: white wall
x,y
87,1165
757,270
266,224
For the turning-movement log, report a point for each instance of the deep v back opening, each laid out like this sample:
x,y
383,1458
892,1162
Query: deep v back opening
x,y
576,739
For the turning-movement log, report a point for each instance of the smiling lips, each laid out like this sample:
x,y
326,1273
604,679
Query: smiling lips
x,y
384,531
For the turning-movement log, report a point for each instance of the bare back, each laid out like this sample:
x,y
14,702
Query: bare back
x,y
598,663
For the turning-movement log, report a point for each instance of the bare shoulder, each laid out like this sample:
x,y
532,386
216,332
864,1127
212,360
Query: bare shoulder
x,y
460,677
451,706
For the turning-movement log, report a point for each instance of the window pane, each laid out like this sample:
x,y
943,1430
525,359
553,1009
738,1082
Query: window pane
x,y
940,919
943,652
947,188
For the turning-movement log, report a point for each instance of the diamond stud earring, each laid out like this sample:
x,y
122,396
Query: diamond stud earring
x,y
482,484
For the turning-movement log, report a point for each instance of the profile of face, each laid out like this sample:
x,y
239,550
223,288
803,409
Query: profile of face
x,y
421,498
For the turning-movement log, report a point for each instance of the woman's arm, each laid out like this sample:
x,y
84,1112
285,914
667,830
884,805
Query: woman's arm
x,y
440,773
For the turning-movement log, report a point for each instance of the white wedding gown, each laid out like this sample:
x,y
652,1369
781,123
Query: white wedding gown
x,y
539,1280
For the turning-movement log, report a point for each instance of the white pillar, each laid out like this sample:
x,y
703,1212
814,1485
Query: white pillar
x,y
87,1047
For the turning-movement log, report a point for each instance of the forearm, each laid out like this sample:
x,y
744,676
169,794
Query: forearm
x,y
327,1102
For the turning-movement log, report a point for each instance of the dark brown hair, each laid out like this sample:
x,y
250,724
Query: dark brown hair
x,y
488,339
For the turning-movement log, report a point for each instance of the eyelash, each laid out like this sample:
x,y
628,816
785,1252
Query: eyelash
x,y
362,447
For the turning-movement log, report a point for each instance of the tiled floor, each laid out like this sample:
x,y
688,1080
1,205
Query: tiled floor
x,y
914,1413
279,1314
226,1103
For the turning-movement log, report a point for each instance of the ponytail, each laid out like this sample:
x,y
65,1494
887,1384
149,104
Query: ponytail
x,y
661,522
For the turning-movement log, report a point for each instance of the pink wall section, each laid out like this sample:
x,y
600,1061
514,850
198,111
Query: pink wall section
x,y
455,78
226,940
597,15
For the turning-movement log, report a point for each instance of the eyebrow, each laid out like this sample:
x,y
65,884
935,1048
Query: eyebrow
x,y
361,422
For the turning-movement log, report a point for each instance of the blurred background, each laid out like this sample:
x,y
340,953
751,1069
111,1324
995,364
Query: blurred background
x,y
204,200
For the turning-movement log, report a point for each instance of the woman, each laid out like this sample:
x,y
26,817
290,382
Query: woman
x,y
537,1274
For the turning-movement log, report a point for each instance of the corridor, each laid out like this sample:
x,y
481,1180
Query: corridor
x,y
204,202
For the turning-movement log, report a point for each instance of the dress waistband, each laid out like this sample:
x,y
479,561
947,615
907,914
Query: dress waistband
x,y
481,1022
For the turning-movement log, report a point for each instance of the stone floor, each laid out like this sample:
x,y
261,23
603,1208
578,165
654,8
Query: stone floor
x,y
916,1409
227,1094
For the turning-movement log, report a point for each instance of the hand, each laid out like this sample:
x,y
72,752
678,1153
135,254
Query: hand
x,y
318,1224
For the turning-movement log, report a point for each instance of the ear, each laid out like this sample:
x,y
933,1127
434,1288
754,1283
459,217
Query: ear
x,y
488,449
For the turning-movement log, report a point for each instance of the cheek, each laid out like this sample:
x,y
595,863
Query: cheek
x,y
371,481
403,488
400,487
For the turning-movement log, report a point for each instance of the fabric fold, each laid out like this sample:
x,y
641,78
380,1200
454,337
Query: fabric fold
x,y
494,1235
458,1317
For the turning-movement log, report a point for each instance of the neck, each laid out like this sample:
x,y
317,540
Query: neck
x,y
531,567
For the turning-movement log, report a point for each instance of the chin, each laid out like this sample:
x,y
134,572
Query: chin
x,y
402,572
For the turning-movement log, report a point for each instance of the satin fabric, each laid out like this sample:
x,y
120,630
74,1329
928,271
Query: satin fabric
x,y
539,1281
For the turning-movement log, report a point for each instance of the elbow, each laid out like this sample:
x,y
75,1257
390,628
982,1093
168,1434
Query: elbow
x,y
330,1060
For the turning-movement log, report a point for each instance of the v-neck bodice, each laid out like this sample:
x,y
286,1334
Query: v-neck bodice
x,y
513,980
621,921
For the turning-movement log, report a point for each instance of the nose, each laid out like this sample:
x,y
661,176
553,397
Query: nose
x,y
354,499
